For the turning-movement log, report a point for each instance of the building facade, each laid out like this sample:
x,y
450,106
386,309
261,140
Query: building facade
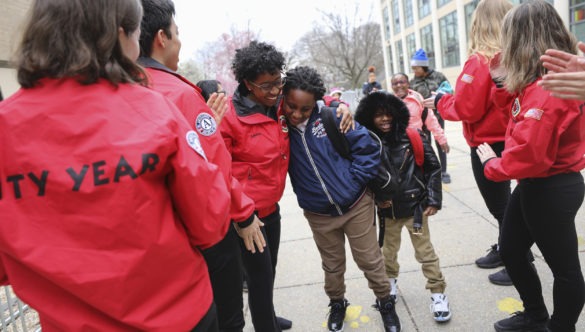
x,y
441,28
12,16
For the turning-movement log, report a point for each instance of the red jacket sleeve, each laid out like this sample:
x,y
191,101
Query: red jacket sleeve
x,y
532,142
199,192
472,93
3,276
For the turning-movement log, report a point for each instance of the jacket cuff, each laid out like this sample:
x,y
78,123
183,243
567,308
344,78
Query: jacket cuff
x,y
247,222
485,162
437,98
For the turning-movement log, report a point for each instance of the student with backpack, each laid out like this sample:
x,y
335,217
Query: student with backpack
x,y
331,189
419,197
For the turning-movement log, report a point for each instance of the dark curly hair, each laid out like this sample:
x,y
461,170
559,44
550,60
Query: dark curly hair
x,y
254,60
305,79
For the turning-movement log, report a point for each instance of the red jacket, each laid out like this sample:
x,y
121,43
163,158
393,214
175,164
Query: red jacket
x,y
260,151
546,136
104,196
473,104
188,99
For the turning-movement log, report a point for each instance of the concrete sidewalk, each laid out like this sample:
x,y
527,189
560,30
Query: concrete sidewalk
x,y
461,232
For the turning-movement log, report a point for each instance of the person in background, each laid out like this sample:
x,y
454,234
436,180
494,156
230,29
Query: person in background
x,y
334,196
419,197
420,117
209,87
484,120
160,45
110,199
544,151
426,81
371,85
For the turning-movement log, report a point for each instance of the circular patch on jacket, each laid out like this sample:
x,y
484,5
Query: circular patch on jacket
x,y
283,124
205,124
195,144
516,107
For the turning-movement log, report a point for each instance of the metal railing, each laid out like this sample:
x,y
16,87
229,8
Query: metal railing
x,y
16,316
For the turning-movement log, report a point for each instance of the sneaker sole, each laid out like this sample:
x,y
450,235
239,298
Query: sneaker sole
x,y
342,328
489,266
442,319
501,329
500,283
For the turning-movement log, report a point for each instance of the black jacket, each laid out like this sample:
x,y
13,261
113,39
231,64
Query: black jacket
x,y
419,188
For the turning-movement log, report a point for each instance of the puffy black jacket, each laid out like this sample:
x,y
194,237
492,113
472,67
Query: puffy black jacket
x,y
419,188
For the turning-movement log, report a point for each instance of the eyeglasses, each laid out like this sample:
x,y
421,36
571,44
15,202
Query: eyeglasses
x,y
399,82
268,86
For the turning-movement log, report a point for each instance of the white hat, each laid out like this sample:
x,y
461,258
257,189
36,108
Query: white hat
x,y
334,91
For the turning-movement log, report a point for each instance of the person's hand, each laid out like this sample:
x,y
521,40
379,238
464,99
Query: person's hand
x,y
252,235
219,105
563,62
430,211
347,121
566,76
485,152
497,71
384,204
445,147
430,102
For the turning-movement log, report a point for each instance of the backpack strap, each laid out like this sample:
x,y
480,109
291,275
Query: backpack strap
x,y
336,137
417,146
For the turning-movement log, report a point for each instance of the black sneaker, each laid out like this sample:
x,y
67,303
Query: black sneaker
x,y
389,316
520,322
284,323
337,315
491,260
501,278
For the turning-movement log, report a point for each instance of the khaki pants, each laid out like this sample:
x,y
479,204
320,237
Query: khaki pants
x,y
423,252
329,235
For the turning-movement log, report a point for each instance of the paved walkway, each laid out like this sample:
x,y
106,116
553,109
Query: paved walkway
x,y
461,232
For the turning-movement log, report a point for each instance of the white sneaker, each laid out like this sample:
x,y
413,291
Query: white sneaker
x,y
393,289
440,307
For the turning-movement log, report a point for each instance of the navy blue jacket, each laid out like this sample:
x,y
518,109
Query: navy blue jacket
x,y
325,182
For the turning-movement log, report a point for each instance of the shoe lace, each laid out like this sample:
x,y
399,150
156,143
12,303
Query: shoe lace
x,y
440,304
337,311
493,248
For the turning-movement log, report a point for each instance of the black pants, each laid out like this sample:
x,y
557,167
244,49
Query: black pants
x,y
495,194
543,211
224,263
261,270
209,322
442,155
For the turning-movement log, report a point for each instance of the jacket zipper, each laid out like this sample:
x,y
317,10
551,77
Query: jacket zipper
x,y
319,175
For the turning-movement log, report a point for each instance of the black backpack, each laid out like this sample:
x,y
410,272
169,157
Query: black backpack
x,y
387,181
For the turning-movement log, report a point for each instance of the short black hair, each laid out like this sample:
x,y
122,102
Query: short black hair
x,y
158,14
305,79
402,74
208,87
253,60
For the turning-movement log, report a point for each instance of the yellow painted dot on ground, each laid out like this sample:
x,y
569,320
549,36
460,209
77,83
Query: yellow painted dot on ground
x,y
353,312
324,324
580,240
354,325
510,305
364,319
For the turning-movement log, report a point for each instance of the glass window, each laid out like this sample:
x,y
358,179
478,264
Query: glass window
x,y
449,40
469,9
424,8
426,38
441,3
408,13
400,56
386,23
577,9
390,63
396,16
410,46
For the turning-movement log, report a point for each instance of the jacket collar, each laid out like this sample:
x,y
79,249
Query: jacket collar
x,y
245,106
